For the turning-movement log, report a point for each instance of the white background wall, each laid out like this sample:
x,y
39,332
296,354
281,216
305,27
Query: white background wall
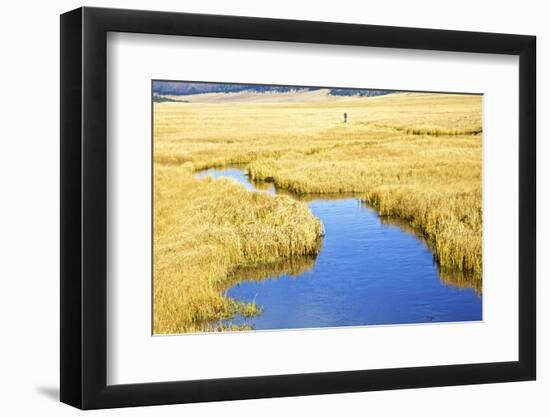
x,y
29,224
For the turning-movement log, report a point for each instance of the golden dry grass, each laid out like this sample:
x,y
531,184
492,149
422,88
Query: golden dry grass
x,y
202,236
415,156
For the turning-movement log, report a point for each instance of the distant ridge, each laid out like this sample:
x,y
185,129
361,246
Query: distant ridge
x,y
168,88
363,92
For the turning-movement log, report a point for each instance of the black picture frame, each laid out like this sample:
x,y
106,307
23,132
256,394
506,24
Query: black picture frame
x,y
84,207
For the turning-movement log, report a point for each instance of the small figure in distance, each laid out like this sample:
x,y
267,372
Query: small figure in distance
x,y
345,117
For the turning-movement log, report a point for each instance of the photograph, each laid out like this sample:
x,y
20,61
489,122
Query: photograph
x,y
280,207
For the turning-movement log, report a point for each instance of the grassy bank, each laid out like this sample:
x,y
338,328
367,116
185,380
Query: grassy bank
x,y
415,156
205,232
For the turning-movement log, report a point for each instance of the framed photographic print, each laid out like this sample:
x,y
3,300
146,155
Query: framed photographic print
x,y
257,207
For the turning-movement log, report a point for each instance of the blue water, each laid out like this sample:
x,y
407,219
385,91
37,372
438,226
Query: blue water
x,y
369,271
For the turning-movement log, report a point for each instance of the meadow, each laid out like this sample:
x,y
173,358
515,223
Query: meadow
x,y
414,156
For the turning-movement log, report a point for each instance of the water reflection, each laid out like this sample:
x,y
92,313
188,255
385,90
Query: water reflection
x,y
292,267
457,278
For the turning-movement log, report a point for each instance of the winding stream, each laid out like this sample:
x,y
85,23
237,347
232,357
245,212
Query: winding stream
x,y
370,271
